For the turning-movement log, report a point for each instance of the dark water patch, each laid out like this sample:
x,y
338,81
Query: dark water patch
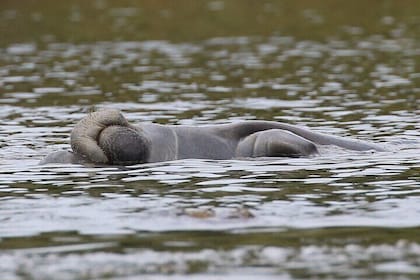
x,y
289,253
81,21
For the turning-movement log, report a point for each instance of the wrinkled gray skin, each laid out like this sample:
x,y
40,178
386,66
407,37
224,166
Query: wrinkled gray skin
x,y
105,137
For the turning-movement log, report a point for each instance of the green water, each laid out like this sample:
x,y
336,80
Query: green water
x,y
349,68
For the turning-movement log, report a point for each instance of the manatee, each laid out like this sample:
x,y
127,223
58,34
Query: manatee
x,y
106,137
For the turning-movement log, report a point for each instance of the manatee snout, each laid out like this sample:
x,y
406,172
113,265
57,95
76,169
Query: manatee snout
x,y
123,145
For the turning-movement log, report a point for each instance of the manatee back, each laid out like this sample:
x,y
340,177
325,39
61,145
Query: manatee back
x,y
275,143
62,157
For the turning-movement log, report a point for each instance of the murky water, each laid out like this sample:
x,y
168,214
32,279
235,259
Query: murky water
x,y
343,214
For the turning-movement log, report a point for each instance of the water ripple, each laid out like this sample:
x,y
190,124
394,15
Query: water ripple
x,y
342,214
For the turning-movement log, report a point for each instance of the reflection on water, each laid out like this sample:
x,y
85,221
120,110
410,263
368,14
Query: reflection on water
x,y
342,214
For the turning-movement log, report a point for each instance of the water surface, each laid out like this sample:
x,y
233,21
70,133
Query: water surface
x,y
340,215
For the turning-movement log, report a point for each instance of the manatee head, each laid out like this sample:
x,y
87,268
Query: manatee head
x,y
124,145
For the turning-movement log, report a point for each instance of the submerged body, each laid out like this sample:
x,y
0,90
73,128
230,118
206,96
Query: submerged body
x,y
105,137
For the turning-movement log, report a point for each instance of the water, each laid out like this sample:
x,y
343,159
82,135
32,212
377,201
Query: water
x,y
340,215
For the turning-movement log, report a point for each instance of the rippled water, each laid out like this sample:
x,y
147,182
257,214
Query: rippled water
x,y
343,214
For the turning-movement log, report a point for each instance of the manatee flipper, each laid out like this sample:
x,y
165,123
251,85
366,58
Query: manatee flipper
x,y
246,128
84,136
275,143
